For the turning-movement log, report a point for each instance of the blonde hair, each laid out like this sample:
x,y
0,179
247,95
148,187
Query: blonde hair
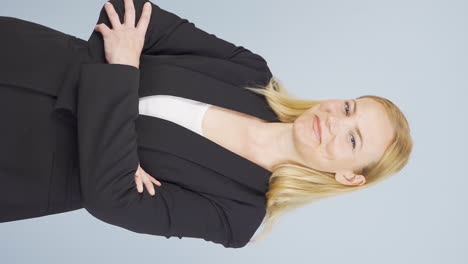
x,y
292,186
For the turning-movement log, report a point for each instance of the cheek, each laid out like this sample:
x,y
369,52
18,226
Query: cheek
x,y
337,148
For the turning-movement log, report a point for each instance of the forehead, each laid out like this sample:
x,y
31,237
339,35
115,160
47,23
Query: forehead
x,y
376,129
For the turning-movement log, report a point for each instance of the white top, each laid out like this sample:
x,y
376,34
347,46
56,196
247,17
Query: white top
x,y
183,111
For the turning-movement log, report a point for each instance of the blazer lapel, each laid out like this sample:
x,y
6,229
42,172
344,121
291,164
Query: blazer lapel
x,y
164,78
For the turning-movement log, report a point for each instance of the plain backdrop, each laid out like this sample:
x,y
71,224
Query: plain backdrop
x,y
412,52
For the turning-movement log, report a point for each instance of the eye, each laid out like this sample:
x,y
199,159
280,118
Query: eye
x,y
353,140
347,107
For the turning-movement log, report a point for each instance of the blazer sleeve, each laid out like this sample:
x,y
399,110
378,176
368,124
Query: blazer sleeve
x,y
168,34
108,159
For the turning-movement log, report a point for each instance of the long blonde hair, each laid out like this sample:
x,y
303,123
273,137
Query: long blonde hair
x,y
292,186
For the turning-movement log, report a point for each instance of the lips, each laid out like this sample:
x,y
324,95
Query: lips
x,y
317,128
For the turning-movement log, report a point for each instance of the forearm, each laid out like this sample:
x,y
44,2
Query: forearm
x,y
106,111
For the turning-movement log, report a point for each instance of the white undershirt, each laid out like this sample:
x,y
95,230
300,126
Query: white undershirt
x,y
183,111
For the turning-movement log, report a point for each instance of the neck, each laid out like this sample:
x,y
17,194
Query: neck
x,y
271,143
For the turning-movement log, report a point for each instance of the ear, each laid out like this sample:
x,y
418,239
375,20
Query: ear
x,y
349,178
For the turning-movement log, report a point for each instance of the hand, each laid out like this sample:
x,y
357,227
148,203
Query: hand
x,y
124,42
142,177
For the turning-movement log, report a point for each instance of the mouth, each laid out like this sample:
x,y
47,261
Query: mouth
x,y
317,128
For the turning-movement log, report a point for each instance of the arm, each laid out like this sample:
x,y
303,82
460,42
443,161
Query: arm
x,y
169,34
108,159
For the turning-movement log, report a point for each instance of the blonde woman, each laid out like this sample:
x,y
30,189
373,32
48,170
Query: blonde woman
x,y
152,102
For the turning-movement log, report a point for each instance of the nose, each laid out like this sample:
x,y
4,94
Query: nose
x,y
333,123
330,124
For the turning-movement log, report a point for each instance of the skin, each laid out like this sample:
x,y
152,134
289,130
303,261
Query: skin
x,y
276,143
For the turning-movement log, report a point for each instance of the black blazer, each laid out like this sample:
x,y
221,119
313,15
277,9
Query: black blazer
x,y
207,191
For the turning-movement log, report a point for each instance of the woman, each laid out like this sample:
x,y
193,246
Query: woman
x,y
249,161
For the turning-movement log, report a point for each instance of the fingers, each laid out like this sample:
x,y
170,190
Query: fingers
x,y
103,28
139,183
144,18
112,14
155,181
149,186
143,178
129,17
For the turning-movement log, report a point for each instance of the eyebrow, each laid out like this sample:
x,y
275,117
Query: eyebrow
x,y
358,130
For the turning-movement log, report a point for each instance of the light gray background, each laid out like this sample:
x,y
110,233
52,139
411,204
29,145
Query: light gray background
x,y
412,52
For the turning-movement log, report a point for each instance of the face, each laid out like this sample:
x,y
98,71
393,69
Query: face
x,y
341,148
